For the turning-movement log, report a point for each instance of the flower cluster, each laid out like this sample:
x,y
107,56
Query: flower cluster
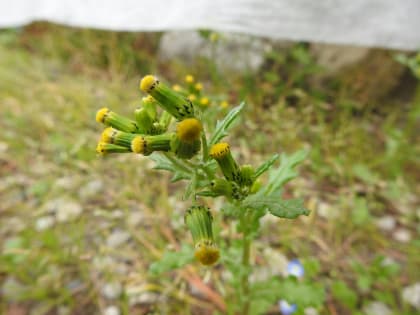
x,y
150,131
194,92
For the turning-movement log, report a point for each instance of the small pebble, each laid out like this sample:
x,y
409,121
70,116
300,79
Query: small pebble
x,y
91,189
117,238
411,295
67,211
112,310
44,223
386,223
377,308
112,290
402,235
311,311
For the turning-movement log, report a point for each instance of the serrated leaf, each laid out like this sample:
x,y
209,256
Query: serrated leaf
x,y
344,294
207,193
264,294
265,166
172,260
301,293
191,187
224,125
163,163
288,209
285,172
179,176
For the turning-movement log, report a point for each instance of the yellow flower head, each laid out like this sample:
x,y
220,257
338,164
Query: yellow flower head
x,y
138,145
198,86
147,99
189,130
192,97
100,148
207,254
148,83
219,150
176,88
214,37
224,104
189,79
101,114
108,135
204,101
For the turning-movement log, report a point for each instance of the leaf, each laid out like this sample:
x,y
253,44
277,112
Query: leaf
x,y
191,187
223,126
301,293
164,163
344,294
264,294
179,176
289,209
207,193
172,260
266,166
285,172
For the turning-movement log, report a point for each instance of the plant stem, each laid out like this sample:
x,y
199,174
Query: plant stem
x,y
205,147
246,249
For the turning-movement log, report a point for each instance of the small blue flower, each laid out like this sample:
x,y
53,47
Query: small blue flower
x,y
295,268
286,308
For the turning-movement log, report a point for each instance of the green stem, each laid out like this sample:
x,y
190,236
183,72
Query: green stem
x,y
205,147
246,250
178,163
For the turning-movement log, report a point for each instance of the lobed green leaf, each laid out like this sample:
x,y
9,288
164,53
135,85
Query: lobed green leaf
x,y
224,125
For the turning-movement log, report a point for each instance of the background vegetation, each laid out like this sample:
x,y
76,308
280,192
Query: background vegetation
x,y
78,233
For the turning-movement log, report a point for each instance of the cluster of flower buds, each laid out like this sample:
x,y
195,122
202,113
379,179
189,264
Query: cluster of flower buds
x,y
148,132
193,90
238,181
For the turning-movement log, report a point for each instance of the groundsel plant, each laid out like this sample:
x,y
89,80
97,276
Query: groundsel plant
x,y
169,128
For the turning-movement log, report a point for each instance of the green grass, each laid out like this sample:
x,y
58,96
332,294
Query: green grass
x,y
362,165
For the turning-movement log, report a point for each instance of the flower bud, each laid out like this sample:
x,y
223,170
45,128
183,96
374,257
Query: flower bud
x,y
150,104
246,175
189,79
187,141
221,187
204,101
114,136
110,118
105,148
174,103
144,120
221,153
200,223
198,86
146,145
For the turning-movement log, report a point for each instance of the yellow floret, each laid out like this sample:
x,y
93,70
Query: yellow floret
x,y
100,148
192,97
138,144
148,83
189,129
176,88
108,135
198,86
147,99
204,101
224,104
219,150
206,254
101,114
189,78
